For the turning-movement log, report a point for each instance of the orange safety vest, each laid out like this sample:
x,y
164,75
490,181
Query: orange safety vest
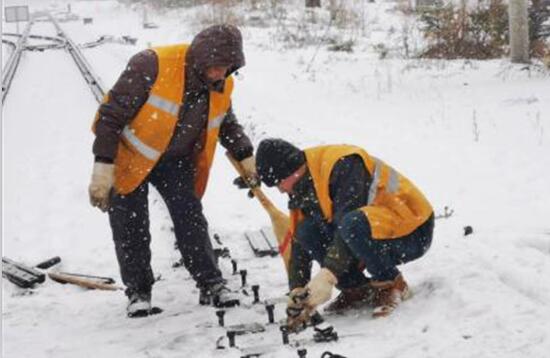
x,y
146,137
395,207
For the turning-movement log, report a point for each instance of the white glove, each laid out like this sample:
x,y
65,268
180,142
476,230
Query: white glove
x,y
103,178
303,301
320,288
249,167
296,311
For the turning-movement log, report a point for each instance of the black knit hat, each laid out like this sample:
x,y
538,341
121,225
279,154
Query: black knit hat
x,y
277,159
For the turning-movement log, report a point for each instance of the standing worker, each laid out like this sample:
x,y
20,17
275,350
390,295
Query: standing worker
x,y
159,125
349,211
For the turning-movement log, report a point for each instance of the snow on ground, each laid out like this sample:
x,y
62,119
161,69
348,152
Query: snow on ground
x,y
472,135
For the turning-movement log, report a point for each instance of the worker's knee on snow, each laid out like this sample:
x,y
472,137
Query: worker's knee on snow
x,y
354,226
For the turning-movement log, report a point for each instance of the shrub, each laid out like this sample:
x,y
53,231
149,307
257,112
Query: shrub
x,y
456,32
481,32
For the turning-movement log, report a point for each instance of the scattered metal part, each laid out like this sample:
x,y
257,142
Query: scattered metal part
x,y
284,333
243,277
217,239
270,309
49,263
20,274
446,213
234,264
325,335
231,338
219,342
256,290
260,244
328,354
245,328
220,314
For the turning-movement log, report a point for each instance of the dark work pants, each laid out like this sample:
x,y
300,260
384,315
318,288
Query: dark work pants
x,y
315,238
129,219
381,257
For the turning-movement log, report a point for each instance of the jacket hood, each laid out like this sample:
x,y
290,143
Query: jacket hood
x,y
218,45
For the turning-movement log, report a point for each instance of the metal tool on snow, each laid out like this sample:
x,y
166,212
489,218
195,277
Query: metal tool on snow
x,y
327,334
284,333
328,354
243,277
220,314
256,290
234,264
270,308
231,338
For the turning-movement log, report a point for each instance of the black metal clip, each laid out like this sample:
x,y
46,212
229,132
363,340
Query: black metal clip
x,y
328,354
325,335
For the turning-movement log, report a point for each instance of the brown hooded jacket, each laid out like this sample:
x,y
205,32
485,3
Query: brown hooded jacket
x,y
219,45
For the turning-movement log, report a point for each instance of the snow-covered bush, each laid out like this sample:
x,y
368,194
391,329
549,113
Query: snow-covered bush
x,y
459,32
481,31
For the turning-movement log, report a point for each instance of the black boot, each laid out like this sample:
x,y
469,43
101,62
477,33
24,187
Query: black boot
x,y
139,305
219,295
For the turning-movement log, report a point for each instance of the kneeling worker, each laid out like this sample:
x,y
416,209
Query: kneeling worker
x,y
349,211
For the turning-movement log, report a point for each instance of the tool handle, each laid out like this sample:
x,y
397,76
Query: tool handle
x,y
258,193
81,281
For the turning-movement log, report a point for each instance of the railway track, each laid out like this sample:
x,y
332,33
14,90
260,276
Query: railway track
x,y
62,41
8,72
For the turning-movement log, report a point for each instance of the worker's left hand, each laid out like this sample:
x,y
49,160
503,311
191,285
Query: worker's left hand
x,y
296,311
303,301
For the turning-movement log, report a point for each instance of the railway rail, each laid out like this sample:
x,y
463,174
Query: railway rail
x,y
62,41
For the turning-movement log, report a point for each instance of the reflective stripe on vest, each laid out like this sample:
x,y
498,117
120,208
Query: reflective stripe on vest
x,y
163,104
142,148
393,180
216,122
145,150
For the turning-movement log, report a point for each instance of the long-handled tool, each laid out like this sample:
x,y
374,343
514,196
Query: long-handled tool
x,y
86,281
279,220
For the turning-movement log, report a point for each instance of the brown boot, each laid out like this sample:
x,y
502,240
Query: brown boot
x,y
353,298
389,295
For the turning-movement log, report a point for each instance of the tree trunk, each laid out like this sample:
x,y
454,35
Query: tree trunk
x,y
313,3
519,31
333,9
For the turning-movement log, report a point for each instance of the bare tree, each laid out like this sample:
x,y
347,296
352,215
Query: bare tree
x,y
519,31
313,3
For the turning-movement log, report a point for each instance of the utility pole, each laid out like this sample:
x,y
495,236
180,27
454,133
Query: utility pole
x,y
519,31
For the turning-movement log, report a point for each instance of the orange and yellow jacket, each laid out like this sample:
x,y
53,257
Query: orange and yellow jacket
x,y
394,207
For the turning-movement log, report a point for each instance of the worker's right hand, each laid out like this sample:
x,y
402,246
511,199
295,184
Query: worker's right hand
x,y
103,178
248,165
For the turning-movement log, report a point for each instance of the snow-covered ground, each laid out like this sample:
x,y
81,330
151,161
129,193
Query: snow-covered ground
x,y
474,136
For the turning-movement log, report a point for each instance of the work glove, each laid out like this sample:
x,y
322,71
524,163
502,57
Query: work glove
x,y
320,288
249,167
296,311
303,301
103,178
